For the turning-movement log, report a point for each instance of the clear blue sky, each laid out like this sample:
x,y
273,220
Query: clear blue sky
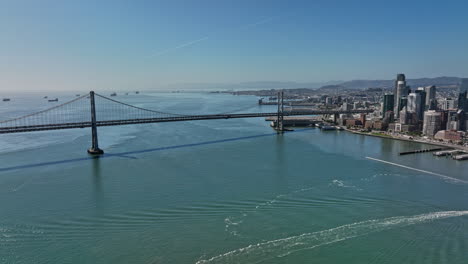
x,y
148,44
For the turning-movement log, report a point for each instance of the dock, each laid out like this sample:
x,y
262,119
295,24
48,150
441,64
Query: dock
x,y
447,153
295,121
420,151
460,157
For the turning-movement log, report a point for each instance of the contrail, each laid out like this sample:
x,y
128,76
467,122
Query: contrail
x,y
178,47
424,171
190,43
263,21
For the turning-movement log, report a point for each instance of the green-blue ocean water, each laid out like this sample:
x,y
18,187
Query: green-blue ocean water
x,y
224,191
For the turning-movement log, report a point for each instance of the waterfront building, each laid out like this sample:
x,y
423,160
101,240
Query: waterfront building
x,y
450,135
388,117
362,118
432,123
408,118
455,120
388,103
431,102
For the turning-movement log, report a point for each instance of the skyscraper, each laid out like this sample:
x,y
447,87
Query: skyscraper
x,y
422,106
400,91
463,103
432,123
463,95
414,104
388,103
431,103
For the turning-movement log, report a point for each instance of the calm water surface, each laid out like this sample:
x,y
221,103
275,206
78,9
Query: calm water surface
x,y
224,191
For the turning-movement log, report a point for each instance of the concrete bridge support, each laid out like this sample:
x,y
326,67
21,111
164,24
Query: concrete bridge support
x,y
94,150
279,119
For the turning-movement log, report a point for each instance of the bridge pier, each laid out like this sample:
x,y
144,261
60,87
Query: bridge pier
x,y
279,119
94,150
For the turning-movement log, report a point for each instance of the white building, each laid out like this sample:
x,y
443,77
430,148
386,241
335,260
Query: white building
x,y
447,104
432,123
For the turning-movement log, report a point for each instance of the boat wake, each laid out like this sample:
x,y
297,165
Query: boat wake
x,y
282,247
342,184
445,177
232,223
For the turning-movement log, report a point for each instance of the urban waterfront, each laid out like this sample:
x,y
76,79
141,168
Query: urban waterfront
x,y
224,191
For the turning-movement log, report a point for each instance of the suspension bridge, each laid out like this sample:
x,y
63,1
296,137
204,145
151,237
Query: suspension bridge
x,y
94,110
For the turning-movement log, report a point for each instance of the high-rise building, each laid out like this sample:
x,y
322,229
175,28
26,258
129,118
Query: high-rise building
x,y
403,103
388,103
463,103
400,91
454,119
415,104
463,85
463,95
345,106
400,77
431,103
432,123
447,104
388,117
356,105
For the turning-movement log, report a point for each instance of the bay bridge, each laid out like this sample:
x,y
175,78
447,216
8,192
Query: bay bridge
x,y
94,110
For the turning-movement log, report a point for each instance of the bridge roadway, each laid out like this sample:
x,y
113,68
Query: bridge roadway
x,y
30,128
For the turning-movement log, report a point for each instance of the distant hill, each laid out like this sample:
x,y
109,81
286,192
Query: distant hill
x,y
438,81
251,85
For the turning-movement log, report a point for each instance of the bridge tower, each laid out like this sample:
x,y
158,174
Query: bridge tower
x,y
94,150
280,115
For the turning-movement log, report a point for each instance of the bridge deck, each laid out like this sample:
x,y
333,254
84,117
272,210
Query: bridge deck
x,y
30,128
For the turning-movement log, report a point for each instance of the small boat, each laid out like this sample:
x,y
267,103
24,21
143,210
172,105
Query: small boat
x,y
6,99
45,97
113,94
53,100
137,92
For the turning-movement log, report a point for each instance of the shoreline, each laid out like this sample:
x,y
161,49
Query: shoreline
x,y
409,140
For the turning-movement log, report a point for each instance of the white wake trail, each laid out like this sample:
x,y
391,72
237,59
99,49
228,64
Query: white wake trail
x,y
282,247
419,170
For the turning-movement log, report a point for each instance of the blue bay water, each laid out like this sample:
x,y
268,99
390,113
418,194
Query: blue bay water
x,y
223,191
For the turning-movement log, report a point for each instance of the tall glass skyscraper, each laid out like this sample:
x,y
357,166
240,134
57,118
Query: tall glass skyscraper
x,y
388,103
431,102
400,92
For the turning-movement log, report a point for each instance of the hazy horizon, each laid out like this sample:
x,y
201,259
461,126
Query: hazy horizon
x,y
142,45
